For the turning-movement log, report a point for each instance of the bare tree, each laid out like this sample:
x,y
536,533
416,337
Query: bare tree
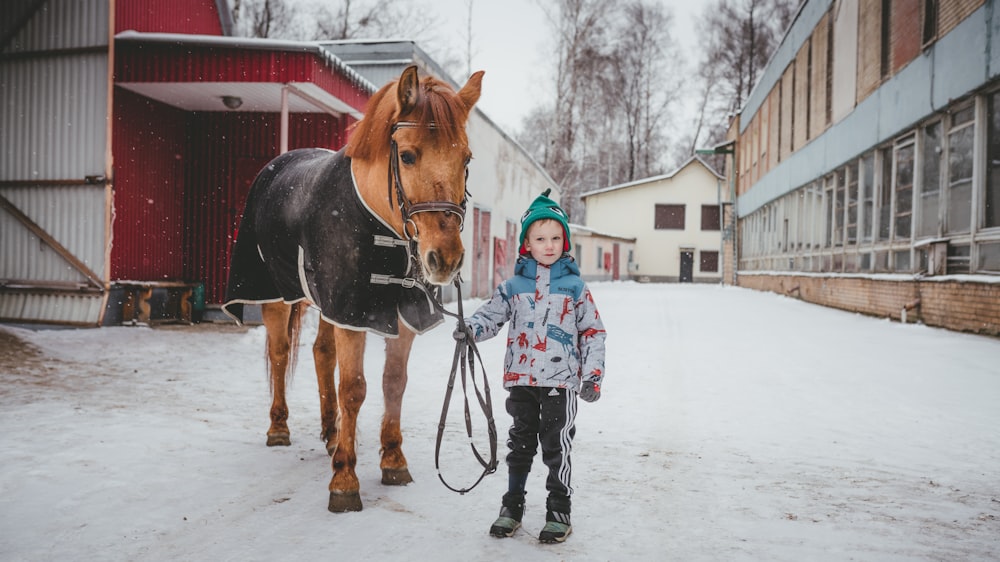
x,y
647,83
580,28
315,20
356,19
740,37
262,18
615,81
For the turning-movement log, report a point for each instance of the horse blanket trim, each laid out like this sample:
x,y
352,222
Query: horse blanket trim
x,y
307,235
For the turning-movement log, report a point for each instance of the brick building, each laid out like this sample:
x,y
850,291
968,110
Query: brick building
x,y
867,162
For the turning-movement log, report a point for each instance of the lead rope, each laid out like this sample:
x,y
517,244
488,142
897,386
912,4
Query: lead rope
x,y
464,358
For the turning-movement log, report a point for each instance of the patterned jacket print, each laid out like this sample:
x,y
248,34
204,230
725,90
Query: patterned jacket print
x,y
556,336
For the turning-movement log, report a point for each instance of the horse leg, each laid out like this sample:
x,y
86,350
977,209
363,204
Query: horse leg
x,y
397,354
344,486
276,316
325,356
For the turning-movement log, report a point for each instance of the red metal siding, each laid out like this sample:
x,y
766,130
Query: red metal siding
x,y
225,152
148,189
199,17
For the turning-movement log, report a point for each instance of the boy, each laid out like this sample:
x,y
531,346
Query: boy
x,y
555,352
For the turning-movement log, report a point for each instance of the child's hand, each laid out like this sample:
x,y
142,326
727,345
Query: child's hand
x,y
590,391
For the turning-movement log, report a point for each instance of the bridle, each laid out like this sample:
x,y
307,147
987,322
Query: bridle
x,y
406,208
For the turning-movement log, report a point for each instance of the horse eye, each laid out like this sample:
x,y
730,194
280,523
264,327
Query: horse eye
x,y
408,158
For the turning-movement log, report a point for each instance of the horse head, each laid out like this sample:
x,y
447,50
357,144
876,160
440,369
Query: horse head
x,y
412,146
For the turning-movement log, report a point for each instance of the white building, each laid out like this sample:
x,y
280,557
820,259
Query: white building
x,y
675,220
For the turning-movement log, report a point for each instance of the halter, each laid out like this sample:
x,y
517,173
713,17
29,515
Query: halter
x,y
408,209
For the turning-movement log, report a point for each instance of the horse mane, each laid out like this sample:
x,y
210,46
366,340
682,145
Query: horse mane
x,y
437,103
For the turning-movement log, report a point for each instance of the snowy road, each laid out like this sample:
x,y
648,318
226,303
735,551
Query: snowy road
x,y
734,425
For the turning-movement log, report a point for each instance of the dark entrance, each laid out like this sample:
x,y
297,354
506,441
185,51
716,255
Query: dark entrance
x,y
687,267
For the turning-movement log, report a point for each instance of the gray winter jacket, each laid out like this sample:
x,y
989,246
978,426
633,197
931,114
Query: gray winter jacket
x,y
556,337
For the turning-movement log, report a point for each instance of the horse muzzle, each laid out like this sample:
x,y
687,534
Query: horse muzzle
x,y
440,269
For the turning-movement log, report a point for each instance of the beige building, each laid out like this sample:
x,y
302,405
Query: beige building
x,y
674,218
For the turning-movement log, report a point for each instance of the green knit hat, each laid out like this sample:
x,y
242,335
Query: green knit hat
x,y
544,208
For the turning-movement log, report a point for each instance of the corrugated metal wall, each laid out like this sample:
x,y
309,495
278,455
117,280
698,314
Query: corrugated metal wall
x,y
225,152
149,154
53,80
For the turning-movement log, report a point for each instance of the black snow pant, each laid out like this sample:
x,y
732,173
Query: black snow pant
x,y
545,416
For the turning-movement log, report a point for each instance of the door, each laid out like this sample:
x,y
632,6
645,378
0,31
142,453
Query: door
x,y
615,264
687,266
481,253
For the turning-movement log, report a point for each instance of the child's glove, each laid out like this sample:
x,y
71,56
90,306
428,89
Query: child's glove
x,y
590,391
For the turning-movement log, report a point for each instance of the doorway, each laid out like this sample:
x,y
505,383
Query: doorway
x,y
687,266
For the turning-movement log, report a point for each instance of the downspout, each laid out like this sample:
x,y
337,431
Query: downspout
x,y
722,230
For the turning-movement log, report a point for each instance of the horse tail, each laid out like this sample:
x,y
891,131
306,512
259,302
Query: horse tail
x,y
294,332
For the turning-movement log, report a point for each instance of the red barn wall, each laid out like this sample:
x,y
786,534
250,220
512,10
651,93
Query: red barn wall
x,y
225,151
148,145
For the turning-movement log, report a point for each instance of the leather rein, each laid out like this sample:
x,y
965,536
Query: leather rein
x,y
466,352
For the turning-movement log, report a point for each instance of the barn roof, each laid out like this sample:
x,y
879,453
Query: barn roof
x,y
194,73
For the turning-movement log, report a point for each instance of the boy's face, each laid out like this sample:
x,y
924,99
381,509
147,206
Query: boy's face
x,y
544,241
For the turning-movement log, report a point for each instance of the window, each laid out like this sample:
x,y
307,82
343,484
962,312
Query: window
x,y
710,217
903,214
931,181
885,52
885,193
600,256
867,196
669,217
991,209
901,261
709,261
959,188
989,257
930,21
579,255
958,259
828,210
852,203
840,190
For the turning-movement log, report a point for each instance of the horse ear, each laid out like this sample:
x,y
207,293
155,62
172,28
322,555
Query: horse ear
x,y
407,90
469,94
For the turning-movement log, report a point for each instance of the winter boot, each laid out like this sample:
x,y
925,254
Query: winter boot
x,y
511,512
556,529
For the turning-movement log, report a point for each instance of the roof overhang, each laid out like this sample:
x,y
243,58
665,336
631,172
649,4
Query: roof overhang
x,y
199,72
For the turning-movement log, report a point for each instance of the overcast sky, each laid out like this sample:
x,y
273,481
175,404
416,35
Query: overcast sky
x,y
510,41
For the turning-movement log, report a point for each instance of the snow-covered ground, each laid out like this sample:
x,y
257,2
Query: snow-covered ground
x,y
735,425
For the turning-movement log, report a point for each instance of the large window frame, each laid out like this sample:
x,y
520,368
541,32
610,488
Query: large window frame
x,y
888,209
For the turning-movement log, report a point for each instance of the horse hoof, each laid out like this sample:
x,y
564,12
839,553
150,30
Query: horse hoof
x,y
331,448
279,439
341,502
396,476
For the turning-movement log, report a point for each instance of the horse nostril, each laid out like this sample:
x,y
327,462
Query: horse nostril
x,y
432,260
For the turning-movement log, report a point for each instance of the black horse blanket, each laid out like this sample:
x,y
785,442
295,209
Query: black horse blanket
x,y
306,234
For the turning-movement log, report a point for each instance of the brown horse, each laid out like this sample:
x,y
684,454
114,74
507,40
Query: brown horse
x,y
357,234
